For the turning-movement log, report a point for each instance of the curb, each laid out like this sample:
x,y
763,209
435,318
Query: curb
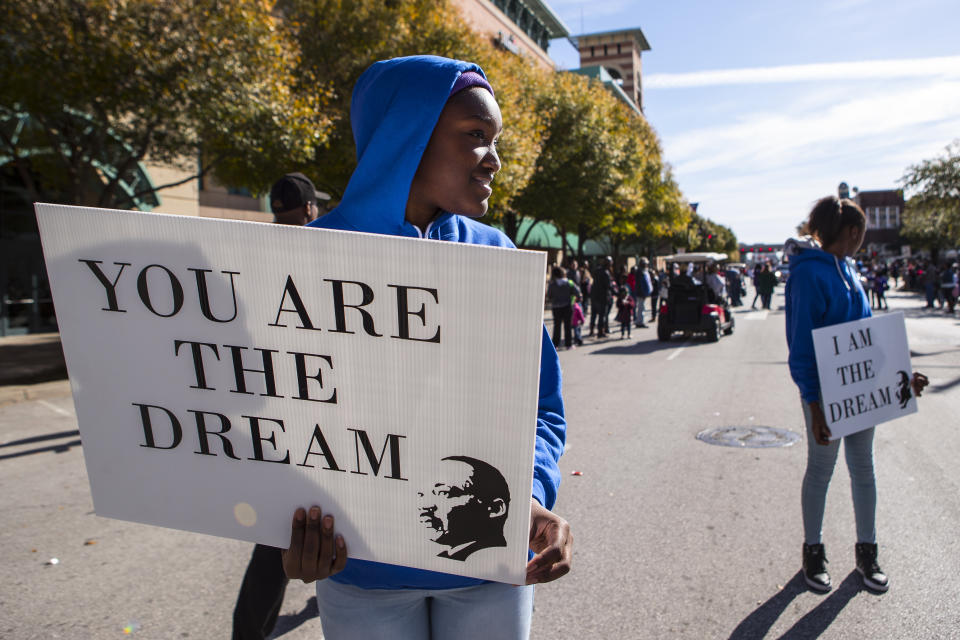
x,y
12,394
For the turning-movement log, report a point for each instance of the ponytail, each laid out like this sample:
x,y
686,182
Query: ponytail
x,y
831,215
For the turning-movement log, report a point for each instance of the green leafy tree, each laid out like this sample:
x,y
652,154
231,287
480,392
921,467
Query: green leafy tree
x,y
657,209
524,127
932,216
703,234
600,172
578,176
92,88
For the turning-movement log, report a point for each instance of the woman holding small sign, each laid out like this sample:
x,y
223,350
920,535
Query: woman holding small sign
x,y
822,291
427,130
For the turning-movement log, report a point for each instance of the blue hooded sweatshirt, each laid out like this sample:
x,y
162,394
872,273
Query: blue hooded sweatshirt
x,y
821,291
394,109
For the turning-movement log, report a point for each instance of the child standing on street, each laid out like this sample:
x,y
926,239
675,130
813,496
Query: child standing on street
x,y
823,290
426,130
625,305
880,287
576,321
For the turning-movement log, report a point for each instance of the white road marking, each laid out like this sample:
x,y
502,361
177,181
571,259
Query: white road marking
x,y
755,316
55,408
678,351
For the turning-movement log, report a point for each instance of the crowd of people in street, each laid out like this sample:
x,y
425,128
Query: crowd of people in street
x,y
578,292
940,282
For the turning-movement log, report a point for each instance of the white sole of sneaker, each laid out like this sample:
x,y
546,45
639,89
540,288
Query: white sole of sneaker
x,y
816,586
875,586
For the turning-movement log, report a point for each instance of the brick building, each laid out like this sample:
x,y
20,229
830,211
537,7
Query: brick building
x,y
619,53
884,210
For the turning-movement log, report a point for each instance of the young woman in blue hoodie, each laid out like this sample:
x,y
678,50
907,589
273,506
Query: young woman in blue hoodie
x,y
426,131
823,290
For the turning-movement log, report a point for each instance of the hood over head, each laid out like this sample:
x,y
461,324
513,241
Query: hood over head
x,y
806,249
395,106
793,246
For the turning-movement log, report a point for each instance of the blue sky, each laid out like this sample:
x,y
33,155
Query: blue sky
x,y
764,107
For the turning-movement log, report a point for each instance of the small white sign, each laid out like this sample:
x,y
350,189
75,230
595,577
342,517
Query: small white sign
x,y
225,373
864,370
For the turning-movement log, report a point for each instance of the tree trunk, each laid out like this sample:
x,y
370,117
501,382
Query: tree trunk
x,y
564,244
526,236
510,226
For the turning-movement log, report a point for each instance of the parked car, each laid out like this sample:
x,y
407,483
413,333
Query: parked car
x,y
782,272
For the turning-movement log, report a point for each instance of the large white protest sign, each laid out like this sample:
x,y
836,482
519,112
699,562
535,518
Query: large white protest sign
x,y
864,370
225,373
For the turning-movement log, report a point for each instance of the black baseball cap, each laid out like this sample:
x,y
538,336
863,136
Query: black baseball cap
x,y
291,191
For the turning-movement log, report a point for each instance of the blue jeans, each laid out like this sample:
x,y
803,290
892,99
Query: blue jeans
x,y
490,610
821,459
638,310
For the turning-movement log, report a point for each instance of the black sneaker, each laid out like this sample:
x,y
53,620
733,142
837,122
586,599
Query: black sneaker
x,y
815,568
867,565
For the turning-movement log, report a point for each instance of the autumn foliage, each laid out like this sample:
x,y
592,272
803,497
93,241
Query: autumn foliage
x,y
253,88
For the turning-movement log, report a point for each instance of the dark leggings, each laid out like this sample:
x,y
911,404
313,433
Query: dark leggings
x,y
261,595
562,317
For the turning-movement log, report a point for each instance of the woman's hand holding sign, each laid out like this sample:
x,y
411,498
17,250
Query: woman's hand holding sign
x,y
314,552
918,382
821,432
551,540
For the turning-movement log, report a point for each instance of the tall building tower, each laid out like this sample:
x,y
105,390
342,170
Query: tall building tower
x,y
619,53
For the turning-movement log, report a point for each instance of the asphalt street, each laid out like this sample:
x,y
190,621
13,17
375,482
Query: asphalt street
x,y
674,537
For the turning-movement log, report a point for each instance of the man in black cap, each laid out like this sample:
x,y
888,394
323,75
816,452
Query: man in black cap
x,y
293,200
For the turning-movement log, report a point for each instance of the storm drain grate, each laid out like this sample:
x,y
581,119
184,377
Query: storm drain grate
x,y
754,437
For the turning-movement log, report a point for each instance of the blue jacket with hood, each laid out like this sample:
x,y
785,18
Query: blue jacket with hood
x,y
394,109
821,291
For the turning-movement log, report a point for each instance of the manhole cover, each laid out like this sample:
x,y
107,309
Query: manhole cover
x,y
749,437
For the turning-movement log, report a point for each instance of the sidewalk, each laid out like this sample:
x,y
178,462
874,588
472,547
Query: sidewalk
x,y
32,368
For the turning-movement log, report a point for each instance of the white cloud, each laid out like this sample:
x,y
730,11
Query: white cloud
x,y
876,119
947,67
760,164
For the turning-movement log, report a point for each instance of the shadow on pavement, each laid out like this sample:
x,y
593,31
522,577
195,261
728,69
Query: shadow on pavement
x,y
56,448
917,354
811,625
289,623
627,348
945,386
920,312
44,437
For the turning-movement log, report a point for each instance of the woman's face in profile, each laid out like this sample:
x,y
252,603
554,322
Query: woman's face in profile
x,y
854,239
460,160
